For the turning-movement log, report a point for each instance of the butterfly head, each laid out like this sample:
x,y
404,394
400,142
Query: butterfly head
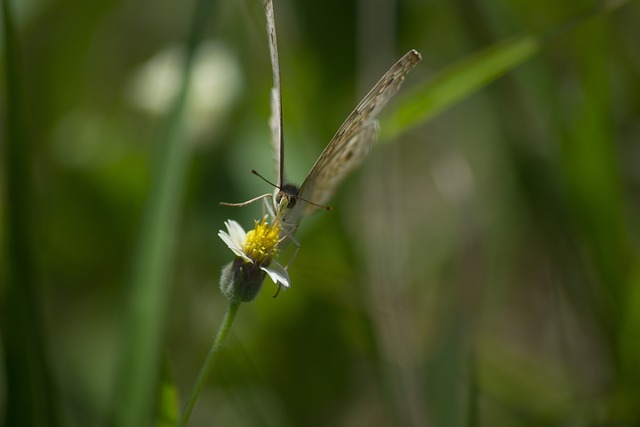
x,y
286,196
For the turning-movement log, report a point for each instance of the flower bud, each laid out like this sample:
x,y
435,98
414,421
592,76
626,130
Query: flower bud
x,y
241,281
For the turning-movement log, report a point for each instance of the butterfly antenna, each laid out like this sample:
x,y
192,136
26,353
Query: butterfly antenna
x,y
326,208
255,172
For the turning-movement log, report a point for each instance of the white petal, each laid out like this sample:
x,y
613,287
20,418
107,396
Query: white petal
x,y
278,274
235,239
236,233
227,239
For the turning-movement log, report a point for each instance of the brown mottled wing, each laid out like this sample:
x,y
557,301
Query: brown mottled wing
x,y
351,143
275,121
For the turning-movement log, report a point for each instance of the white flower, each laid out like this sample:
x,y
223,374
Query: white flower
x,y
215,83
259,246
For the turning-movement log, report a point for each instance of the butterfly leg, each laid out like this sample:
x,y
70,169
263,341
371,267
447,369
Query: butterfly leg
x,y
295,252
289,235
237,205
268,206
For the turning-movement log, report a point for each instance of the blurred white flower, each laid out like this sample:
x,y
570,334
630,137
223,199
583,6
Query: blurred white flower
x,y
215,84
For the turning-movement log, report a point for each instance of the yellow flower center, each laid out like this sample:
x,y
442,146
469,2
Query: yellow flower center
x,y
261,245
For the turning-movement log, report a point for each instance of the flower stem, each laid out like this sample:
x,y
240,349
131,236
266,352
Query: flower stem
x,y
223,331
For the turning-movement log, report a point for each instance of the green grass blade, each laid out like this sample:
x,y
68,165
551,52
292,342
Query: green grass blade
x,y
168,409
29,392
151,282
475,72
458,82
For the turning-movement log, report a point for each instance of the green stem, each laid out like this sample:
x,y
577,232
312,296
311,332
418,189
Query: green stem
x,y
223,331
142,341
29,388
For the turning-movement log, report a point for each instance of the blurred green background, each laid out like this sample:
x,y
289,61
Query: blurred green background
x,y
482,268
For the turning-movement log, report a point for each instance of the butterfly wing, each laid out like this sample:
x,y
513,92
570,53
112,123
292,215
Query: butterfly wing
x,y
349,146
351,143
275,121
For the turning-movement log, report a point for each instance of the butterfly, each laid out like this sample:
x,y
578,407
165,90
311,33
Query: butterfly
x,y
346,150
